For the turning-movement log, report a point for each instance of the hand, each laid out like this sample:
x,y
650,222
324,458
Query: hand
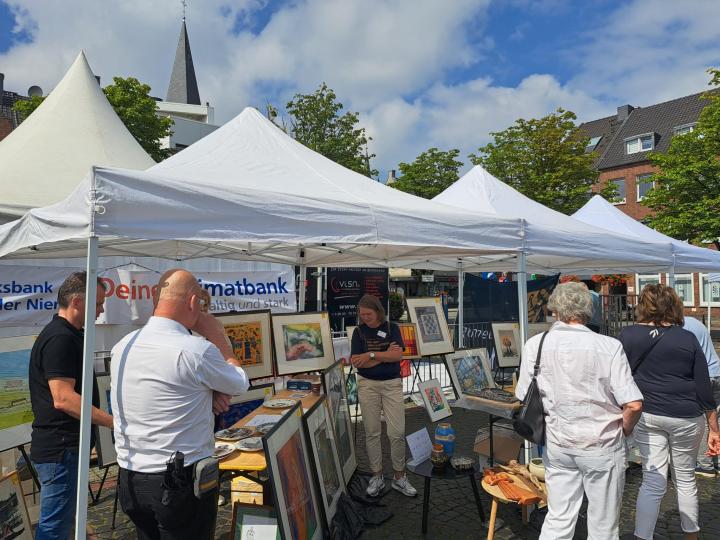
x,y
394,347
221,402
209,327
713,444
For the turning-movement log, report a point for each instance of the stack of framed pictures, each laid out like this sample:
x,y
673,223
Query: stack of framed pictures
x,y
507,344
303,342
433,334
249,333
469,372
105,437
334,386
243,404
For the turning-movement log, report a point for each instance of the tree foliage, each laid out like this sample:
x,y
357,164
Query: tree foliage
x,y
26,107
432,172
544,159
686,197
316,122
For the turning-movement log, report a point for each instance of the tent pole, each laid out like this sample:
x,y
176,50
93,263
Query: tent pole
x,y
523,317
87,389
671,275
461,305
319,282
303,277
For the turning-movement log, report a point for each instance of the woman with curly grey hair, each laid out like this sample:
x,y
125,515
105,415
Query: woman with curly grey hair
x,y
591,404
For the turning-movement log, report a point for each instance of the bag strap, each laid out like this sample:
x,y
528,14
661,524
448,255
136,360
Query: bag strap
x,y
537,360
647,352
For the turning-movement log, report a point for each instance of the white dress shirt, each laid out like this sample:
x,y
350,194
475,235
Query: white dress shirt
x,y
161,396
584,380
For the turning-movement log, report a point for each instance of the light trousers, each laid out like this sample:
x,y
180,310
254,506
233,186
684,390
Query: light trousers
x,y
600,477
660,439
707,462
386,396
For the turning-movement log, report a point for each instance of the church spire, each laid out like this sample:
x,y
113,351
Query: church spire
x,y
183,86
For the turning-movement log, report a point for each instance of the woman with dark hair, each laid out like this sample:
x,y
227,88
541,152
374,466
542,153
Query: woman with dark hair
x,y
376,350
670,369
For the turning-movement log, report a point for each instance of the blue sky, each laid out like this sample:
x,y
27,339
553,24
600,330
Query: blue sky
x,y
421,73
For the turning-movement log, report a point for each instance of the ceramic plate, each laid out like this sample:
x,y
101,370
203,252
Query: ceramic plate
x,y
233,434
279,403
251,444
264,428
222,450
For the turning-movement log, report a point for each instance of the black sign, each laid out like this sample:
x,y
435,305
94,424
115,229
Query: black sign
x,y
345,287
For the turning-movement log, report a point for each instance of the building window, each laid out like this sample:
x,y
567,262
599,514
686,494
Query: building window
x,y
705,291
641,143
646,279
686,128
593,143
684,287
620,191
643,186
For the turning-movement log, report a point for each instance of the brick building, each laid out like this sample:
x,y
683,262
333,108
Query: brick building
x,y
8,118
622,143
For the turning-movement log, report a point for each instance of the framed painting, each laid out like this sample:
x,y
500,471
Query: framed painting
x,y
433,334
249,333
325,460
469,372
538,328
105,437
288,463
507,344
302,342
14,518
336,391
408,331
243,404
16,414
434,400
254,522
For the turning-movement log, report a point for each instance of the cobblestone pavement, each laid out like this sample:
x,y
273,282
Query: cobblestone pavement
x,y
453,514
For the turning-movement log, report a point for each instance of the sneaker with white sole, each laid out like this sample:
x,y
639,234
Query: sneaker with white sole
x,y
403,486
376,485
707,473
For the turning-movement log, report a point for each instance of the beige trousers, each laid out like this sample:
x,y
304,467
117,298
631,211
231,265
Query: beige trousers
x,y
386,396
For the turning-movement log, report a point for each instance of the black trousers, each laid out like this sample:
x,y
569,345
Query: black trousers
x,y
177,516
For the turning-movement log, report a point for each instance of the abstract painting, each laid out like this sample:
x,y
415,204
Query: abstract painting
x,y
16,414
249,334
507,344
303,342
243,404
408,331
433,335
434,400
469,372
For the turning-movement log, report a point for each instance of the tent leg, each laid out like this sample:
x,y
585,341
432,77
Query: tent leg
x,y
319,283
523,318
461,306
87,388
301,294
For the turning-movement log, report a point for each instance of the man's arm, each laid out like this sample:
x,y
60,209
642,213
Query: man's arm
x,y
67,400
631,414
212,330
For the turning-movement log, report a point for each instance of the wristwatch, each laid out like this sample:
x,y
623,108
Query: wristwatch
x,y
372,356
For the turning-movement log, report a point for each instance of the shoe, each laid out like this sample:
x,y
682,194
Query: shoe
x,y
709,472
404,487
376,485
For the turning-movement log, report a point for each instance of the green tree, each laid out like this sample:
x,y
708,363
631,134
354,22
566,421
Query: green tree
x,y
137,109
432,172
26,107
316,122
544,159
686,197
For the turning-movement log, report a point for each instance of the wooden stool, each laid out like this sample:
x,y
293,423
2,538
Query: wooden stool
x,y
497,496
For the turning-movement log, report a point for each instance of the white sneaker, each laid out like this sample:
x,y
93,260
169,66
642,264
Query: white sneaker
x,y
376,485
403,486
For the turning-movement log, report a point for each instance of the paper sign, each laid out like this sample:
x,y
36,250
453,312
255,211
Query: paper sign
x,y
420,446
264,419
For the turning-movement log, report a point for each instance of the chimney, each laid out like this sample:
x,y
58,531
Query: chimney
x,y
2,87
391,177
623,112
97,78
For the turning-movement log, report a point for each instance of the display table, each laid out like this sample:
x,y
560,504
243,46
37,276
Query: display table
x,y
496,410
497,496
428,472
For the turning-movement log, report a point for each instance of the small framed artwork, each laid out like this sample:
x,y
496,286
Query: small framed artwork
x,y
434,400
507,344
288,463
325,460
408,331
469,372
538,328
335,389
243,404
254,522
433,334
249,333
105,437
14,518
302,342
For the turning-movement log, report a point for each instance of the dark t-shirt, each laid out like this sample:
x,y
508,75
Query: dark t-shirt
x,y
673,377
57,352
366,339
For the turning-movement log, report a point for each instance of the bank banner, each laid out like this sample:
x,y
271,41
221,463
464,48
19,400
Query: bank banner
x,y
345,287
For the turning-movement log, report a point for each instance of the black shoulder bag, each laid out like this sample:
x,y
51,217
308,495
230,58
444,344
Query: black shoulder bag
x,y
529,422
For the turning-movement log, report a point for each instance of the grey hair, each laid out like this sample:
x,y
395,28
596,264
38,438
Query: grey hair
x,y
571,301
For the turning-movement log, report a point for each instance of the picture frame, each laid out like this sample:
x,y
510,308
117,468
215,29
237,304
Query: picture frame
x,y
434,399
104,437
243,404
16,414
433,334
538,328
254,522
250,335
408,331
288,464
507,344
335,388
14,520
469,371
325,461
303,342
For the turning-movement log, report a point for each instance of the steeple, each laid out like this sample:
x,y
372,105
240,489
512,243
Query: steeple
x,y
183,84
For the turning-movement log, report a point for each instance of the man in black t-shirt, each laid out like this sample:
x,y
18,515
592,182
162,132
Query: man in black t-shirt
x,y
56,367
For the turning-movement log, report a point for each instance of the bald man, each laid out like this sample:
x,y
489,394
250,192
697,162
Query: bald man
x,y
166,384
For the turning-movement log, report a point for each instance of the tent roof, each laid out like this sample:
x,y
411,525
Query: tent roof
x,y
688,258
47,156
553,240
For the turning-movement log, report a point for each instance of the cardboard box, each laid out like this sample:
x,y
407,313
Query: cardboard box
x,y
246,491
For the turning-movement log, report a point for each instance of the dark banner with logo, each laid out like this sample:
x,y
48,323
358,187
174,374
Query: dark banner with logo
x,y
345,287
488,300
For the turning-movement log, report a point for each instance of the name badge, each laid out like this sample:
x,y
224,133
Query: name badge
x,y
381,334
